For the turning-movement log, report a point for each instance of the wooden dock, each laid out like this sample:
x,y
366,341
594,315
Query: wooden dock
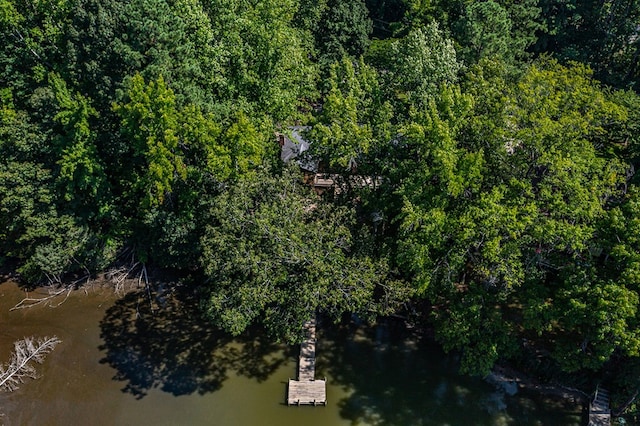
x,y
306,390
599,412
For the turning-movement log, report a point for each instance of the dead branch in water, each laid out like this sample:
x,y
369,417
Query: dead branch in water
x,y
119,275
29,302
146,285
143,275
20,367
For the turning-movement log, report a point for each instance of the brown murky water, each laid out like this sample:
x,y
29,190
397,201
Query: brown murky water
x,y
120,363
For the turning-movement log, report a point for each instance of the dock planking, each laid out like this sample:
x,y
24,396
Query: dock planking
x,y
599,412
307,362
312,392
306,390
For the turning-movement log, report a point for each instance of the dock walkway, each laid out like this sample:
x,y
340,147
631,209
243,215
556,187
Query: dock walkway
x,y
306,390
599,412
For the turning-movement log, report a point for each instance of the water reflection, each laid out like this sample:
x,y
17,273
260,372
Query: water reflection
x,y
170,367
170,346
398,378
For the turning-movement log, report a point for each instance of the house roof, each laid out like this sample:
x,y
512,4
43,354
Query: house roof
x,y
295,146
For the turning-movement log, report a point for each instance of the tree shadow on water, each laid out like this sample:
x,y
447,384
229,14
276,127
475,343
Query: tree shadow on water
x,y
397,378
174,349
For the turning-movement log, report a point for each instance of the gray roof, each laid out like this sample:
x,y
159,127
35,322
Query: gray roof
x,y
295,146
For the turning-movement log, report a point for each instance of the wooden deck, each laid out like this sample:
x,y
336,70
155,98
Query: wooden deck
x,y
306,390
599,412
311,392
307,361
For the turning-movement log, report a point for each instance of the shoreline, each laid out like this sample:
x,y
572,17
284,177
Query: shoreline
x,y
510,380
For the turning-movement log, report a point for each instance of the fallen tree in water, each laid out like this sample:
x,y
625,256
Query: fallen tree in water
x,y
29,302
26,352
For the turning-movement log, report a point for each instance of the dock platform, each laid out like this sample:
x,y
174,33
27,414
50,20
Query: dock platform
x,y
312,392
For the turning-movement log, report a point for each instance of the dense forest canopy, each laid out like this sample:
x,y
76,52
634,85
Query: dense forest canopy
x,y
498,142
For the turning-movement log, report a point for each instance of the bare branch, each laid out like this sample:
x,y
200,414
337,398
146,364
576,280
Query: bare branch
x,y
29,302
20,367
70,287
118,276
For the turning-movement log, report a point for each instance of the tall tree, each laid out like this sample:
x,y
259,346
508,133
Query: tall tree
x,y
274,254
262,58
32,34
81,173
150,119
477,241
486,31
603,34
420,63
353,110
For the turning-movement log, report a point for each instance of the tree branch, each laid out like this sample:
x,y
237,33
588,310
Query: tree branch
x,y
19,368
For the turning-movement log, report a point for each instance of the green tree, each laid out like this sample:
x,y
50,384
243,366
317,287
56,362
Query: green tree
x,y
602,34
486,31
444,222
262,58
47,242
421,62
622,137
526,23
25,184
169,140
32,32
176,152
353,111
150,119
81,173
343,31
245,145
490,218
109,40
274,254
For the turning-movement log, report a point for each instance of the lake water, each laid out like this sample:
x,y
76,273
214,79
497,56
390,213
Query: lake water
x,y
126,360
